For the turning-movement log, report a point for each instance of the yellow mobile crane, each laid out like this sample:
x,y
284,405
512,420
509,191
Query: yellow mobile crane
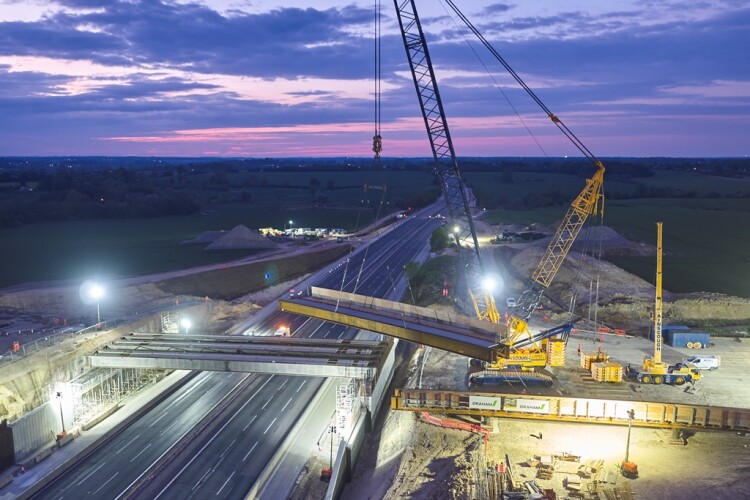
x,y
654,370
522,348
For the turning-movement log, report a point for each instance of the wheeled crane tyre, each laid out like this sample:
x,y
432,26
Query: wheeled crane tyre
x,y
679,381
646,379
658,379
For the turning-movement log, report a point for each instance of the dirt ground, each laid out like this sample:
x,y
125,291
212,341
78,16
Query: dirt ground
x,y
409,458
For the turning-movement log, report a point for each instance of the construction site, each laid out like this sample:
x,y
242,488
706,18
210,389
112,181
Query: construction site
x,y
575,379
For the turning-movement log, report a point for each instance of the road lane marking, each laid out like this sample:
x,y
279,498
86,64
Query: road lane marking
x,y
210,440
250,422
139,453
287,404
302,384
127,444
249,452
167,428
269,426
89,474
282,385
162,416
227,448
264,406
225,483
105,483
201,479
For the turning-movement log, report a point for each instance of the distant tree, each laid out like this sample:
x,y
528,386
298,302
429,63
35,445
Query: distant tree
x,y
507,176
246,196
219,180
440,239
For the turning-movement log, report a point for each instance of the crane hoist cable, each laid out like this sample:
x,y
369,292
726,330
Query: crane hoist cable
x,y
377,139
497,85
560,125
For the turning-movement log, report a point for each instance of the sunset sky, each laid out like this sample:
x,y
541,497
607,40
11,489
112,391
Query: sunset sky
x,y
267,78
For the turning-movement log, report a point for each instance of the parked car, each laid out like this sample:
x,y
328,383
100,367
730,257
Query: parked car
x,y
510,302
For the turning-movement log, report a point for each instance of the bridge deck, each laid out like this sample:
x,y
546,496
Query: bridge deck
x,y
457,334
279,355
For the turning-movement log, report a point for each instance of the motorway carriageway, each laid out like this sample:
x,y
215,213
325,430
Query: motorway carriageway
x,y
226,457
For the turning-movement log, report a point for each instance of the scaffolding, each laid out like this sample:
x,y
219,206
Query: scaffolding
x,y
99,389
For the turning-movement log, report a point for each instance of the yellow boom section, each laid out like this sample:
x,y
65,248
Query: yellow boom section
x,y
586,203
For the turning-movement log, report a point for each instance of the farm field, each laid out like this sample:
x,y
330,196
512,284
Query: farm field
x,y
78,249
705,238
704,227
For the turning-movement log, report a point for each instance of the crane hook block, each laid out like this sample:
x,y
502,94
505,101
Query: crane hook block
x,y
377,145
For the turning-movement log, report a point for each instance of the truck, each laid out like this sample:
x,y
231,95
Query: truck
x,y
674,375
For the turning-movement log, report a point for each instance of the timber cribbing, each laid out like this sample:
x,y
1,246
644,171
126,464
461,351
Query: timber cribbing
x,y
580,410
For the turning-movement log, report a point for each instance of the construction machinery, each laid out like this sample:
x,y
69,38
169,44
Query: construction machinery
x,y
627,468
654,370
522,348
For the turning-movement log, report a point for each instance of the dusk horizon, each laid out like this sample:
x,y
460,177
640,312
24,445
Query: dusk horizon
x,y
218,78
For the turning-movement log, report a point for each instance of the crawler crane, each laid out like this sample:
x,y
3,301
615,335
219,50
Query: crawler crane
x,y
521,348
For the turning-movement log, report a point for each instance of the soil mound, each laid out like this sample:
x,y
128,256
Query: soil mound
x,y
241,238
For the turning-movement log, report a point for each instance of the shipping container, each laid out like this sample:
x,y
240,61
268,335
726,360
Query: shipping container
x,y
688,339
682,328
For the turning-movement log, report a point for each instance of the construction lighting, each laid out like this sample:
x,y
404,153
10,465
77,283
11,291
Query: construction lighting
x,y
489,284
186,324
456,229
97,292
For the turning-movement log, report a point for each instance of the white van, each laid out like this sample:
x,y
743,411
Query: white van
x,y
510,302
703,362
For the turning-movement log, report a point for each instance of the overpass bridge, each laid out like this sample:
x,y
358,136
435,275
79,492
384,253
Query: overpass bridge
x,y
450,332
359,359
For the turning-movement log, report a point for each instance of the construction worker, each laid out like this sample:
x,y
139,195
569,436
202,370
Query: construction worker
x,y
579,349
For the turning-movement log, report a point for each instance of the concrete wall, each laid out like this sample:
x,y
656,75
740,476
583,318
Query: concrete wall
x,y
35,430
24,384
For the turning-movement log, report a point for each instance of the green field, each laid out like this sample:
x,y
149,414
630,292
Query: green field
x,y
84,249
706,240
706,247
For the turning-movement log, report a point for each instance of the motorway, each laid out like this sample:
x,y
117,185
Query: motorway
x,y
226,457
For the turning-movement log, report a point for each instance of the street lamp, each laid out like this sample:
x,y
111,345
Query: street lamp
x,y
62,419
97,292
333,431
186,324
